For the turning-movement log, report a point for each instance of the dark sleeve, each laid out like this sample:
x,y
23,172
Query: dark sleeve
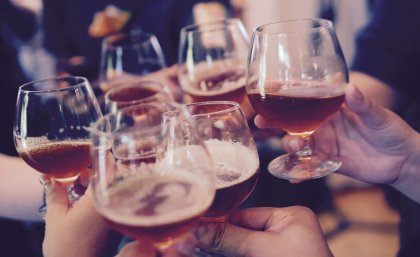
x,y
56,38
19,21
388,47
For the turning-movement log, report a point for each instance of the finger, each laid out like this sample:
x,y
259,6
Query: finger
x,y
263,123
185,247
293,143
172,71
252,218
56,198
370,113
222,237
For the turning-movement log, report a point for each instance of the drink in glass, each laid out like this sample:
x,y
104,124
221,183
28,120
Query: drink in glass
x,y
155,201
212,62
135,93
296,80
226,134
51,129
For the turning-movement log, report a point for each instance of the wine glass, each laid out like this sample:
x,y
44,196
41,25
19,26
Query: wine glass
x,y
212,62
125,57
51,128
296,79
135,93
156,199
223,127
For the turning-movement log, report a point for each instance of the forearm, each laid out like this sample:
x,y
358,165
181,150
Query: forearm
x,y
409,180
20,191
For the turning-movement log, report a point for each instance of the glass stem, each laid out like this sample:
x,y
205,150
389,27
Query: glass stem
x,y
307,147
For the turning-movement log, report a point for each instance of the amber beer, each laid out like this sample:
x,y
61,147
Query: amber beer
x,y
226,86
134,94
60,160
298,111
156,208
236,169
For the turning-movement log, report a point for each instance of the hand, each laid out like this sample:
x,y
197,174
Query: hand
x,y
169,77
182,248
375,145
266,232
76,230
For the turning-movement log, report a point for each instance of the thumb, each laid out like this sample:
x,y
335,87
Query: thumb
x,y
370,113
56,198
222,237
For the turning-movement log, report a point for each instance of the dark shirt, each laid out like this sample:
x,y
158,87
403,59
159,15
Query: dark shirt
x,y
66,26
389,50
15,23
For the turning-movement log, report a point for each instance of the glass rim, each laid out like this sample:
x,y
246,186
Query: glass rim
x,y
83,82
135,84
202,27
323,23
94,128
143,37
234,106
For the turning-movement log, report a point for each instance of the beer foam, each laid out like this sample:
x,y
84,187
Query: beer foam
x,y
301,89
234,162
173,198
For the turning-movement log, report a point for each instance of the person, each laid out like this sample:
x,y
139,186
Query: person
x,y
380,141
385,67
20,192
76,43
83,232
375,145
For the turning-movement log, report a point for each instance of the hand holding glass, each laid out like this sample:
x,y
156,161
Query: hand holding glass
x,y
296,79
51,128
126,57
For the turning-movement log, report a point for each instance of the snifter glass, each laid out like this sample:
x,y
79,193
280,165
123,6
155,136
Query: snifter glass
x,y
51,128
295,80
135,93
151,176
223,127
126,56
212,62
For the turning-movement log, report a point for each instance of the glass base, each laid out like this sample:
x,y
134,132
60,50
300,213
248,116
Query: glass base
x,y
296,167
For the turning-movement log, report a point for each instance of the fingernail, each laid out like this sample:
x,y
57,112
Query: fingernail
x,y
186,247
358,96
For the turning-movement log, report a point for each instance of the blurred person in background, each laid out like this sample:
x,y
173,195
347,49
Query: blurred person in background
x,y
74,29
386,67
20,191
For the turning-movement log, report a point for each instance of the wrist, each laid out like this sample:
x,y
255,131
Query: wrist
x,y
409,176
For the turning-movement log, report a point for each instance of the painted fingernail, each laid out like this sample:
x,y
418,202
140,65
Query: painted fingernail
x,y
358,96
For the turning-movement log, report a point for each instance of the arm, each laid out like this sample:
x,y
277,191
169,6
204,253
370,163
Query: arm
x,y
22,22
267,232
20,190
79,230
76,230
